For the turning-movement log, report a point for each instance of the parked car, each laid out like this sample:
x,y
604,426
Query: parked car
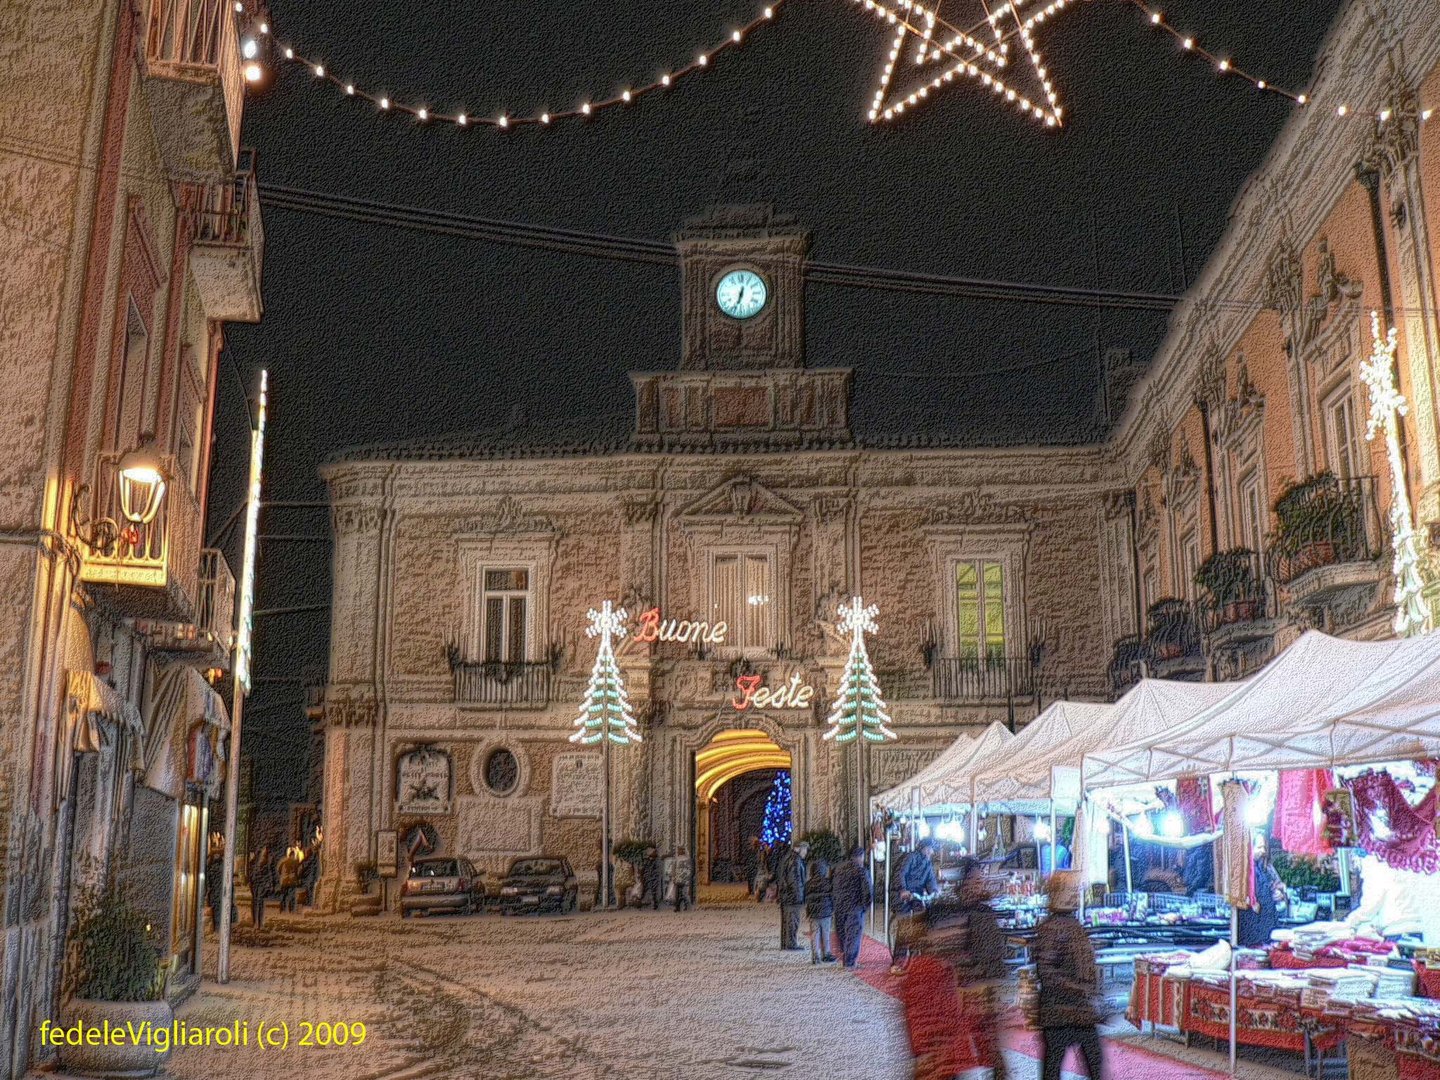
x,y
539,884
442,883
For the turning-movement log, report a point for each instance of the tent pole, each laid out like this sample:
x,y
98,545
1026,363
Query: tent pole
x,y
1055,841
1234,993
1125,836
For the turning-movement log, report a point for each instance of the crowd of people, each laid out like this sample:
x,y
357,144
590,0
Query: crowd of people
x,y
948,953
289,876
669,879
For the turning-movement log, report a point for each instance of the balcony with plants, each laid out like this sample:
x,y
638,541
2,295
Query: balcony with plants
x,y
1329,539
195,85
1235,605
1172,640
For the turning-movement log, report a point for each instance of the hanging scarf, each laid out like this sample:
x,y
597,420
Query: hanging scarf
x,y
1391,829
1193,793
1299,825
1234,855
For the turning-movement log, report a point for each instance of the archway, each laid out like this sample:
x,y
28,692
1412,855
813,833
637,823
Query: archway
x,y
733,774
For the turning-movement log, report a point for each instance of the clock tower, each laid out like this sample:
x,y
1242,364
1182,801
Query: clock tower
x,y
742,380
742,282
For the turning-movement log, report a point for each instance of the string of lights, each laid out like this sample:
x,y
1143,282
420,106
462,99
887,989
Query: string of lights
x,y
504,121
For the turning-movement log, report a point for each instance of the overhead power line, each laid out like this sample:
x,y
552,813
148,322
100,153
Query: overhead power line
x,y
625,249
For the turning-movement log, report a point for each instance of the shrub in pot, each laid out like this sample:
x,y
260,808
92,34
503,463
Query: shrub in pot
x,y
825,845
116,975
1169,631
1229,578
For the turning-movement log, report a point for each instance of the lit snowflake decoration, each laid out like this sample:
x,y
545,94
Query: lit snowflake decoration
x,y
1378,372
607,622
857,619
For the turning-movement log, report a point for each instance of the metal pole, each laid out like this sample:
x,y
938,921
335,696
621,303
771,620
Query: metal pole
x,y
1234,993
1125,836
605,874
1055,841
232,810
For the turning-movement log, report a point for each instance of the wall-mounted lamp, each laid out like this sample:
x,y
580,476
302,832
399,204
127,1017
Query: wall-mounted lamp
x,y
141,479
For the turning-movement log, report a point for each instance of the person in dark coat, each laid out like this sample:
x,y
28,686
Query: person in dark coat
x,y
914,883
310,873
1253,926
767,861
850,893
1199,870
965,932
215,887
260,873
1065,970
792,895
820,910
650,879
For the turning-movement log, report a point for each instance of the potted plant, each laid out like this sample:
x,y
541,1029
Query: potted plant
x,y
1319,523
825,845
115,974
1229,577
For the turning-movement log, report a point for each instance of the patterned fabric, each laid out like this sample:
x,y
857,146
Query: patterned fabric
x,y
1234,856
1391,829
1299,825
1193,793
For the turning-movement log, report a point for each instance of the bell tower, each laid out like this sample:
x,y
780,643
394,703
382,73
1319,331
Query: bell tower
x,y
731,260
742,380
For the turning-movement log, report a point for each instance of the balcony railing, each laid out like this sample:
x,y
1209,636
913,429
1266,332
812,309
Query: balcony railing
x,y
195,84
504,683
154,567
1325,521
1126,663
215,610
1169,649
970,678
229,249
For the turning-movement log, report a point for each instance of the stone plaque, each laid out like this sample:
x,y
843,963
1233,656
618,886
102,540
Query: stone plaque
x,y
576,786
423,782
742,406
490,827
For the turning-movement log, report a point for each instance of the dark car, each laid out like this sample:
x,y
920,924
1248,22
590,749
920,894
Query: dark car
x,y
539,884
442,883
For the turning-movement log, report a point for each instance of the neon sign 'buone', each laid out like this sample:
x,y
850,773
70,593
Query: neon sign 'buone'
x,y
653,628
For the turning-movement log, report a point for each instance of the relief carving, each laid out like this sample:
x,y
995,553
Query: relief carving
x,y
977,508
508,518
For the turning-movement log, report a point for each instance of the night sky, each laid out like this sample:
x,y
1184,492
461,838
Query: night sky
x,y
373,333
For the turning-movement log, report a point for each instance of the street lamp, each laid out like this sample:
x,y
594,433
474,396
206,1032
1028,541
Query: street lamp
x,y
142,484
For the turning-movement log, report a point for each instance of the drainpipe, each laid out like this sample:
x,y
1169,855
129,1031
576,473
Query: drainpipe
x,y
1204,407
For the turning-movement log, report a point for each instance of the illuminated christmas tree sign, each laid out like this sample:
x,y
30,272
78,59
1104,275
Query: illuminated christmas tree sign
x,y
605,713
859,710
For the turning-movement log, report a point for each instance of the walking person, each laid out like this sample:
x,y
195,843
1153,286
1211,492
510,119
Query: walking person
x,y
650,879
289,873
850,894
751,865
766,860
913,885
310,872
820,910
682,873
979,963
260,873
792,895
1066,1009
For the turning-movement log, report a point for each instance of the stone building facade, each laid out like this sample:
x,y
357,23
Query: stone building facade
x,y
1235,503
132,235
463,575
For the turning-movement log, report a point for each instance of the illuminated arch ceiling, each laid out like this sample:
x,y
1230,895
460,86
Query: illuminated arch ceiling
x,y
733,753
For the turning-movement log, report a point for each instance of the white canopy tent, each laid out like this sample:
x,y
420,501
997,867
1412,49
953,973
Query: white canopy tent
x,y
1323,701
901,796
1019,784
951,787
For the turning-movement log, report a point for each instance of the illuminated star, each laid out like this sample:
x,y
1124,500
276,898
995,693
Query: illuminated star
x,y
943,51
858,619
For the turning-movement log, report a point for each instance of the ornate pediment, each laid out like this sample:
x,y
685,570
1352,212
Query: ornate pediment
x,y
740,499
507,519
1243,409
976,508
1284,281
1182,478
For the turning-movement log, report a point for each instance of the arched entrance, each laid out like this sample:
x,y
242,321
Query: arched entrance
x,y
733,775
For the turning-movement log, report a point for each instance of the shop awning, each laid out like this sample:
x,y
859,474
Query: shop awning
x,y
91,707
952,786
185,739
901,796
1324,701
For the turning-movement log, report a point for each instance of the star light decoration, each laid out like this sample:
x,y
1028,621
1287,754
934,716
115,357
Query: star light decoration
x,y
1412,613
859,711
981,53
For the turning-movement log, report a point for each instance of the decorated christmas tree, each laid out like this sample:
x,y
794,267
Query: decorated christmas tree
x,y
605,712
776,827
859,711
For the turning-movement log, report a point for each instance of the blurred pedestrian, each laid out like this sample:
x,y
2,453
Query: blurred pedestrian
x,y
260,874
791,887
820,910
767,862
979,962
289,872
913,885
682,873
851,893
1067,1008
751,865
934,1020
650,879
310,872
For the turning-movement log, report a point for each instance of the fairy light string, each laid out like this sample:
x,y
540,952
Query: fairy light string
x,y
424,113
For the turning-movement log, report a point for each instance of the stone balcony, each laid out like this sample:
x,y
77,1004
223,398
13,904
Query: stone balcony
x,y
207,641
195,85
150,571
228,248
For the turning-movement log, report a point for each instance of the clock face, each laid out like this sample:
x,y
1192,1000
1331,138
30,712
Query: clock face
x,y
741,294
